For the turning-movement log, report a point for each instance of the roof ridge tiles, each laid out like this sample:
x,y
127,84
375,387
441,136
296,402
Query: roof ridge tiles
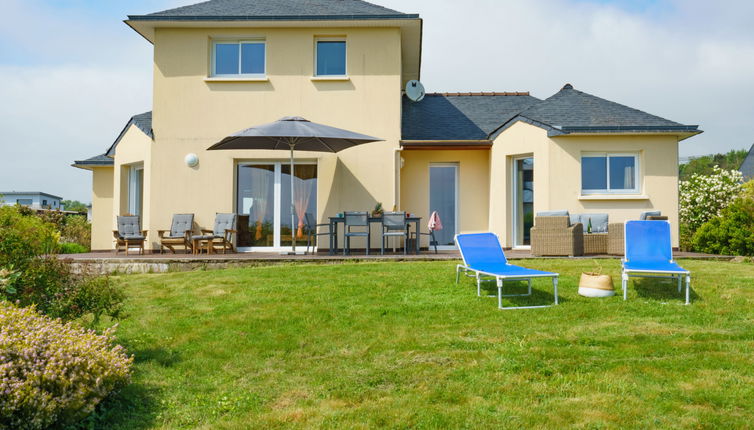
x,y
483,93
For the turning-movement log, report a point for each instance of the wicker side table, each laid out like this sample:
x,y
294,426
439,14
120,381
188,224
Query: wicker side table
x,y
595,243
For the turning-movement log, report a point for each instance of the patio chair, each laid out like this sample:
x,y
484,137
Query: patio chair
x,y
359,220
221,234
649,254
314,232
615,243
129,234
394,224
554,234
179,233
483,256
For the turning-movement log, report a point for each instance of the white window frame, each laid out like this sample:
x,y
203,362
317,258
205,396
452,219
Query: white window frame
x,y
239,42
276,199
457,166
607,155
135,190
316,47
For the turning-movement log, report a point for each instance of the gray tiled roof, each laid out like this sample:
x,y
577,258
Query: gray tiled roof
x,y
97,160
276,9
459,117
142,121
474,117
570,110
747,167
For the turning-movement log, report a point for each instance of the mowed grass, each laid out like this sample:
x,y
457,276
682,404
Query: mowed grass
x,y
400,345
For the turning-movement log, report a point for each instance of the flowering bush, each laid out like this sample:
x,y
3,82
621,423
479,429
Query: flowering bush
x,y
52,374
732,233
703,197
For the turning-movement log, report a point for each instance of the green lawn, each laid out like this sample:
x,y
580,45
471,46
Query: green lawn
x,y
399,345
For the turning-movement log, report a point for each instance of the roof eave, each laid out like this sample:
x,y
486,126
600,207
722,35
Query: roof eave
x,y
145,25
682,134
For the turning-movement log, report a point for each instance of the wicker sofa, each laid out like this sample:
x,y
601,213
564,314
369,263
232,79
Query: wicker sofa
x,y
555,235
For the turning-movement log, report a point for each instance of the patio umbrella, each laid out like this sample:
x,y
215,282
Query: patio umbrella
x,y
289,133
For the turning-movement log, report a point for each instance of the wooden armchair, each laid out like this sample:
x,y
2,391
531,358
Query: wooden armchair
x,y
221,236
554,235
129,234
179,234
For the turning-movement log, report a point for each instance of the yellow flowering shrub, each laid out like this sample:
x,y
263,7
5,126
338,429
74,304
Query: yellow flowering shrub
x,y
51,373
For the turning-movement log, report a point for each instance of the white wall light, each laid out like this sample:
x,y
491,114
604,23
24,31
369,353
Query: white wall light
x,y
191,160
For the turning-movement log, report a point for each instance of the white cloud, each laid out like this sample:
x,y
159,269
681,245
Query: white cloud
x,y
690,61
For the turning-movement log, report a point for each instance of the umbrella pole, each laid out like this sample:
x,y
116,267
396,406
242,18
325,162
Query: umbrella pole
x,y
293,205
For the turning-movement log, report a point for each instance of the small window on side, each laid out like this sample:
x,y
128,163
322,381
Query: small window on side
x,y
239,59
330,58
609,173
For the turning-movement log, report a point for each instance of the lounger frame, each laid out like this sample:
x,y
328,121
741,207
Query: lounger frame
x,y
500,280
634,273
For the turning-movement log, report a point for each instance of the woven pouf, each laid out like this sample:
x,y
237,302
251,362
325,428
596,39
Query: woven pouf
x,y
596,285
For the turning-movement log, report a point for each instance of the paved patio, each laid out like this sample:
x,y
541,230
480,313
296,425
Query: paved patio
x,y
108,262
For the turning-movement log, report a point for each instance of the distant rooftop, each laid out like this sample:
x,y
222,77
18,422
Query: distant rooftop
x,y
242,10
26,193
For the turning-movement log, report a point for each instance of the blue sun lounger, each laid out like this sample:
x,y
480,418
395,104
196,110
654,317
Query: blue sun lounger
x,y
483,257
648,254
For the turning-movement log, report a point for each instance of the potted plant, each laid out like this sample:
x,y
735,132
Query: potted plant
x,y
378,211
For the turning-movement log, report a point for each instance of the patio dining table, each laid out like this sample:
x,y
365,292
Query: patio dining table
x,y
335,220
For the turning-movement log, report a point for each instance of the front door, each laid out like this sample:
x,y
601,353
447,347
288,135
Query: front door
x,y
523,201
263,202
443,198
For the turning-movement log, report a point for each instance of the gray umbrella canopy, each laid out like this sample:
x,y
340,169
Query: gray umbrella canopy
x,y
289,133
293,130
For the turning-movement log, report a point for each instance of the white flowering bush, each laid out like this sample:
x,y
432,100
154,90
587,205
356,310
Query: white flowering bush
x,y
51,373
705,196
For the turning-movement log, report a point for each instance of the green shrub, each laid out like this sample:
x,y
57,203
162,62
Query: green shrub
x,y
76,229
29,275
732,233
53,374
24,236
72,248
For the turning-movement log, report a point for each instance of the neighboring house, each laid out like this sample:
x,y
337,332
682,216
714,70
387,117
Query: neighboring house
x,y
32,199
747,167
485,161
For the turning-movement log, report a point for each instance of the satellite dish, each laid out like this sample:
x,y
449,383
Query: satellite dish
x,y
415,91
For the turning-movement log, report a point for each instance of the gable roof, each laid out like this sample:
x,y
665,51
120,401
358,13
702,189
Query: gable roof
x,y
96,161
747,167
573,111
24,193
221,10
142,121
460,116
467,116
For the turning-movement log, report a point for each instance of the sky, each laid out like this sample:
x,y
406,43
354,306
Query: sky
x,y
72,73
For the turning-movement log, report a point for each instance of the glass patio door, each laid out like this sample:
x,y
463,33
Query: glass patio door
x,y
263,202
443,198
523,201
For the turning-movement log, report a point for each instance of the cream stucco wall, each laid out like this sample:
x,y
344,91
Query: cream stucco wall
x,y
134,148
102,208
557,175
473,185
191,113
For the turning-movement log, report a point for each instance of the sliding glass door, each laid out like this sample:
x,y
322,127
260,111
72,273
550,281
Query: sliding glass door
x,y
523,201
443,198
263,202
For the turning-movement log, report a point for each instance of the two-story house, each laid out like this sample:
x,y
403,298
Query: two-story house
x,y
485,161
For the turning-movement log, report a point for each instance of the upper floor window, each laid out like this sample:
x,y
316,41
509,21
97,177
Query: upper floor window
x,y
609,173
330,57
241,58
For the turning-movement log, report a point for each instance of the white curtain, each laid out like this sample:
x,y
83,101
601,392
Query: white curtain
x,y
302,189
260,187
